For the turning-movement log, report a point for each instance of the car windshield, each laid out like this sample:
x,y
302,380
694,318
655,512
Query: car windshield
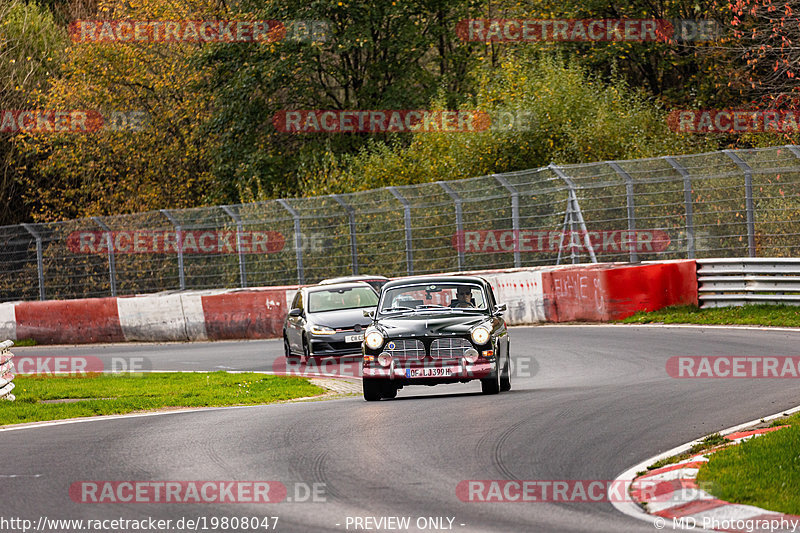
x,y
338,299
450,296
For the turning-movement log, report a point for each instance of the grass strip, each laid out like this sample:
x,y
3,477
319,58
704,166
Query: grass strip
x,y
758,315
72,396
763,471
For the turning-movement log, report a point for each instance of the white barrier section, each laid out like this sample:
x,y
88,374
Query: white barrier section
x,y
193,315
8,321
152,318
6,371
522,292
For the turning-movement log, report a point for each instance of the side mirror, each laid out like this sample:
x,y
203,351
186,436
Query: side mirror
x,y
500,309
368,314
296,312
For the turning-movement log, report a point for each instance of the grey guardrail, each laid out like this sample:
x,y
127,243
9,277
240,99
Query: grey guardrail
x,y
6,371
740,281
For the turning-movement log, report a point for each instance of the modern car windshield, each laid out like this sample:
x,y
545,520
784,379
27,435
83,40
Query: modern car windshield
x,y
338,299
433,296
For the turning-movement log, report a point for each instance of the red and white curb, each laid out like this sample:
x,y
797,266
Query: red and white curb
x,y
677,502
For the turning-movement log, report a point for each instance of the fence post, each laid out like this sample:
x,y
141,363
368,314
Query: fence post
x,y
514,216
351,217
459,221
39,258
298,240
687,200
179,244
634,254
112,264
748,195
242,267
407,223
575,209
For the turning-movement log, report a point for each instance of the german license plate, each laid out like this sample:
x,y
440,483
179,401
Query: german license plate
x,y
438,372
354,338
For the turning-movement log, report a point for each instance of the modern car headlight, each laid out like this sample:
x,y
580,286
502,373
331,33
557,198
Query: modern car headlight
x,y
373,340
322,330
480,335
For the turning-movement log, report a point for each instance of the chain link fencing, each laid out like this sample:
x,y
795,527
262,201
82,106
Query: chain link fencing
x,y
743,203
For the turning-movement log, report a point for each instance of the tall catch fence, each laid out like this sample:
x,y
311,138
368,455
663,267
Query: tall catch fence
x,y
743,203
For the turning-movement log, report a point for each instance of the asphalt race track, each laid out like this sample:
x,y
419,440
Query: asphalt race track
x,y
597,400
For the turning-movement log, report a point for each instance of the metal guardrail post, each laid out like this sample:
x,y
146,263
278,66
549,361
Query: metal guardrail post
x,y
112,264
39,258
179,244
351,217
514,216
459,220
634,254
6,371
242,267
407,223
576,209
748,195
298,240
687,202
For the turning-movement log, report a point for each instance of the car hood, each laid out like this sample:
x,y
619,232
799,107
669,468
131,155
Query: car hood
x,y
345,318
430,324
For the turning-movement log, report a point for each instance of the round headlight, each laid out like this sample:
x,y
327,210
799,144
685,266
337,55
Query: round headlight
x,y
385,359
471,355
480,335
373,340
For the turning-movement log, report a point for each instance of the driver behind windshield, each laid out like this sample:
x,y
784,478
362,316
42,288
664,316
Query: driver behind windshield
x,y
463,298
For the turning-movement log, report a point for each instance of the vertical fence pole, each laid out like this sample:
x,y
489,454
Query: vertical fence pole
x,y
576,211
459,221
687,200
407,223
514,216
634,254
351,217
242,267
39,258
179,244
298,240
112,264
748,196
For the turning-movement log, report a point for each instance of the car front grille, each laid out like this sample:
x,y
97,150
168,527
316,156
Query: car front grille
x,y
406,348
453,348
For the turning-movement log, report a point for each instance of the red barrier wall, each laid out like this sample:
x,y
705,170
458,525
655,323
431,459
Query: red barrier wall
x,y
245,315
69,321
603,293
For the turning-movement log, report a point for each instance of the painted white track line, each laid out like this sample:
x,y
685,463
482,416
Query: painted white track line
x,y
631,509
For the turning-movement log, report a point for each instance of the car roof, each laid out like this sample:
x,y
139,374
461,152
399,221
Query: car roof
x,y
345,279
435,279
335,286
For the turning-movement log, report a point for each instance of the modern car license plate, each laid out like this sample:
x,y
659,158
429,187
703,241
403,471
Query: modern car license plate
x,y
429,372
354,338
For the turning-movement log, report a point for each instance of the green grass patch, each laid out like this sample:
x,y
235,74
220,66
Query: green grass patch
x,y
107,394
25,342
758,315
706,444
764,471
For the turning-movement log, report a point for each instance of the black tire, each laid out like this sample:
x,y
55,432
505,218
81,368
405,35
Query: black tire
x,y
491,385
505,376
287,350
389,391
308,359
373,389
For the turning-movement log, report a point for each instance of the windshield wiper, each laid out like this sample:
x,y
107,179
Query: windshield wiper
x,y
433,306
396,308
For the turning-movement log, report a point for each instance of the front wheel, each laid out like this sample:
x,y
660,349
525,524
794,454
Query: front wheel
x,y
491,385
372,389
505,376
287,350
